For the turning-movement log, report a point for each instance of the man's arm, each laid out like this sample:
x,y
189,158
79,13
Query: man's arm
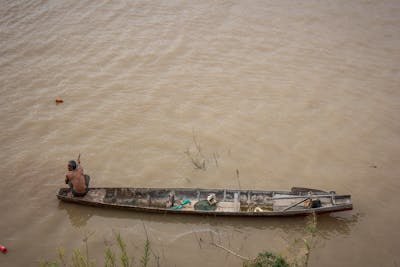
x,y
67,178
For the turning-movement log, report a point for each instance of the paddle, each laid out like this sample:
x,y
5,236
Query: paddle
x,y
295,204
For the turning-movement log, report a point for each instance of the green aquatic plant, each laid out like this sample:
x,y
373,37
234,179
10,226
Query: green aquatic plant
x,y
311,231
311,225
298,251
79,260
267,259
110,259
49,263
146,255
124,258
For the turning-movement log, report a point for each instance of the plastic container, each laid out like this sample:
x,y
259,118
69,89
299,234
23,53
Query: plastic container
x,y
185,201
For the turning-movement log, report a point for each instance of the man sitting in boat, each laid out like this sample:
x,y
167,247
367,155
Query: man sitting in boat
x,y
77,181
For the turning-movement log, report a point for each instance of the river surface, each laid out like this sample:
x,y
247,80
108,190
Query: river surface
x,y
274,94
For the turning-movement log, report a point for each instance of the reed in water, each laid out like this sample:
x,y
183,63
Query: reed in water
x,y
111,259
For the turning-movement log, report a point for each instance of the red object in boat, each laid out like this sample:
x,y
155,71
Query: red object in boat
x,y
3,249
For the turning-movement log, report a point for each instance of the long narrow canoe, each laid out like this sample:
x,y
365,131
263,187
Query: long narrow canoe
x,y
227,202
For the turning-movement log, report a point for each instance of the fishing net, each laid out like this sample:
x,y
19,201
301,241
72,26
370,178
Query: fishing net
x,y
204,205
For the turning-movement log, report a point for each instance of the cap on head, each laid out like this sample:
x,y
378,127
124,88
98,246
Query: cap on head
x,y
72,164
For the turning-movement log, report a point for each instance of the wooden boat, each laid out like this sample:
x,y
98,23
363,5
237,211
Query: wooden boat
x,y
227,202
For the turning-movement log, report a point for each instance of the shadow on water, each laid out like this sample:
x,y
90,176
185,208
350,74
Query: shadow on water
x,y
329,225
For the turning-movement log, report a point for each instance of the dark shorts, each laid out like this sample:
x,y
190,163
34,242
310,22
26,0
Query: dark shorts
x,y
77,194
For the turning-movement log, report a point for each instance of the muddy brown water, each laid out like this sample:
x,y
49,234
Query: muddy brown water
x,y
274,94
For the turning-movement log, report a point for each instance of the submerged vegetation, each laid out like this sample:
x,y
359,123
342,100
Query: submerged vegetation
x,y
297,254
111,259
267,259
197,157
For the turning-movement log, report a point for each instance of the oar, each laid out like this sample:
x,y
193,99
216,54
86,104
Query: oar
x,y
295,204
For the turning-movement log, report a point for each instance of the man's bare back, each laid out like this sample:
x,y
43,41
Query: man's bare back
x,y
76,177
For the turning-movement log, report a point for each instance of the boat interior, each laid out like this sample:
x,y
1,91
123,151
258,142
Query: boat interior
x,y
218,200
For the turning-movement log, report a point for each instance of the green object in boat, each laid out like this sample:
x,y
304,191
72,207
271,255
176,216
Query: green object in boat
x,y
185,201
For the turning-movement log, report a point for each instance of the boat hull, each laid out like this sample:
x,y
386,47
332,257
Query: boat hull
x,y
252,203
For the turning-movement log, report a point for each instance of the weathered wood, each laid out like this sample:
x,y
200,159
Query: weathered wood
x,y
229,202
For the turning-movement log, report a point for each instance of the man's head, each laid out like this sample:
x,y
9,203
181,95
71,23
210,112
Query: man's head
x,y
71,165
